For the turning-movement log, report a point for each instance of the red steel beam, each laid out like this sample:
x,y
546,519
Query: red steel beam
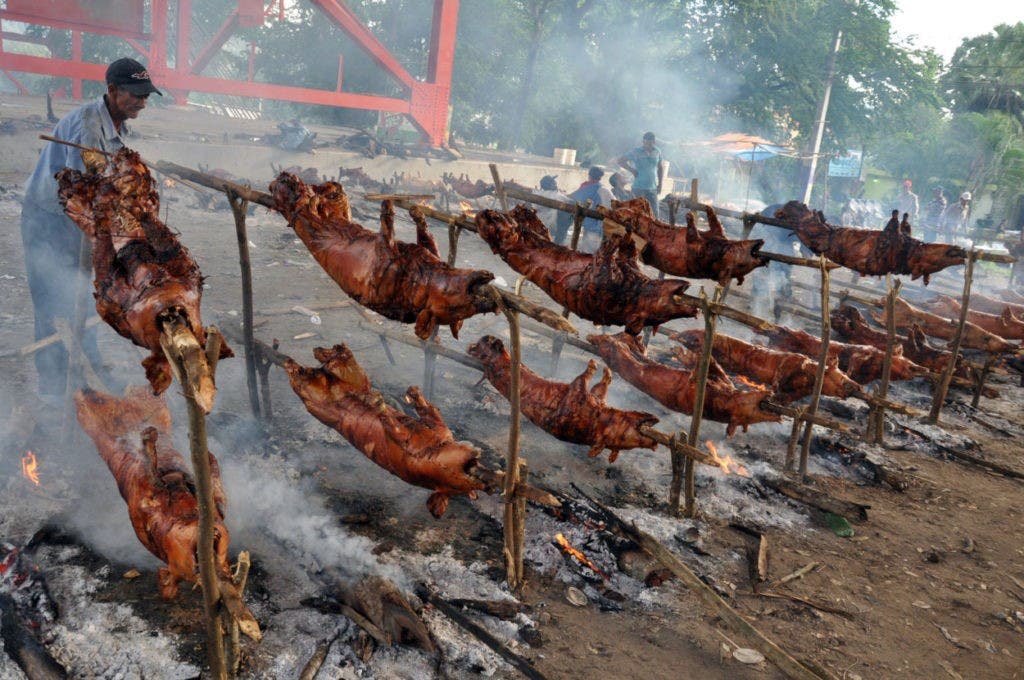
x,y
427,106
216,42
351,24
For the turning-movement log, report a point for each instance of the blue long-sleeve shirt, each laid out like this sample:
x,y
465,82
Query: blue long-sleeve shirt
x,y
89,125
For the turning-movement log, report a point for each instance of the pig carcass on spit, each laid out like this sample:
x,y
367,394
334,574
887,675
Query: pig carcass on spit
x,y
133,436
148,278
677,388
869,251
405,282
790,375
419,450
688,252
606,288
974,336
1005,324
862,363
851,325
573,412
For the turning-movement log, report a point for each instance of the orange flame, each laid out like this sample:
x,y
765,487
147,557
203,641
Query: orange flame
x,y
467,209
168,182
564,544
28,467
744,380
727,464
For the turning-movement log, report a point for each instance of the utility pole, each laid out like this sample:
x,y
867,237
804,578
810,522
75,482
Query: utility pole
x,y
819,126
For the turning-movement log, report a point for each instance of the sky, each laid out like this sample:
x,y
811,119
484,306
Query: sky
x,y
942,25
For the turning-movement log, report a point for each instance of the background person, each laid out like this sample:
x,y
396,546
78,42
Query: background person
x,y
51,240
557,221
907,202
592,190
648,169
933,211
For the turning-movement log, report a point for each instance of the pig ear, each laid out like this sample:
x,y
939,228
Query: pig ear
x,y
897,351
832,362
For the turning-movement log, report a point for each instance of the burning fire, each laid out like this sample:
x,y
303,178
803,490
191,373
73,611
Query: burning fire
x,y
567,548
467,209
28,467
727,464
169,183
744,380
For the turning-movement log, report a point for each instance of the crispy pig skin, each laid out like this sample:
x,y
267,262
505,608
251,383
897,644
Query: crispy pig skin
x,y
689,252
405,282
573,412
677,388
790,375
419,450
133,436
869,251
606,288
142,272
863,363
944,327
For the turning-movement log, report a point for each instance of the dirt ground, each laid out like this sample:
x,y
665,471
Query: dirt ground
x,y
930,586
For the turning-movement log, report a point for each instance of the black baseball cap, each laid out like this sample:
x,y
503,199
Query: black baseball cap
x,y
132,76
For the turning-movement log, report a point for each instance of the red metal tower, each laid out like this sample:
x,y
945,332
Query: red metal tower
x,y
426,103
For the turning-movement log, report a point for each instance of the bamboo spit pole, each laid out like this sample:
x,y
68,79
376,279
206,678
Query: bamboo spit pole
x,y
519,304
876,420
942,388
184,354
689,469
602,215
775,222
982,377
669,441
771,407
239,206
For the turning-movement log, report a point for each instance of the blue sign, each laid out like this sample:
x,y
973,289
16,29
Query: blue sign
x,y
846,166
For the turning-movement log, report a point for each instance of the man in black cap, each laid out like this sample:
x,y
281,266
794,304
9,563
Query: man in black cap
x,y
52,241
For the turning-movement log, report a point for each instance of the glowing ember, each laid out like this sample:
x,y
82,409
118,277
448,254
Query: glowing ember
x,y
744,380
467,209
169,183
28,467
567,548
727,464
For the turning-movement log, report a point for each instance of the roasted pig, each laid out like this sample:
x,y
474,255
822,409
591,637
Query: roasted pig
x,y
789,375
419,450
849,323
688,252
868,251
677,388
465,188
133,436
992,305
573,412
862,363
151,276
403,281
606,288
974,336
1004,324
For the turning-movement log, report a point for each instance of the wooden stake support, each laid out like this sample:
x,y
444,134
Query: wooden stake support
x,y
819,380
499,188
189,365
942,388
239,206
876,418
689,469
